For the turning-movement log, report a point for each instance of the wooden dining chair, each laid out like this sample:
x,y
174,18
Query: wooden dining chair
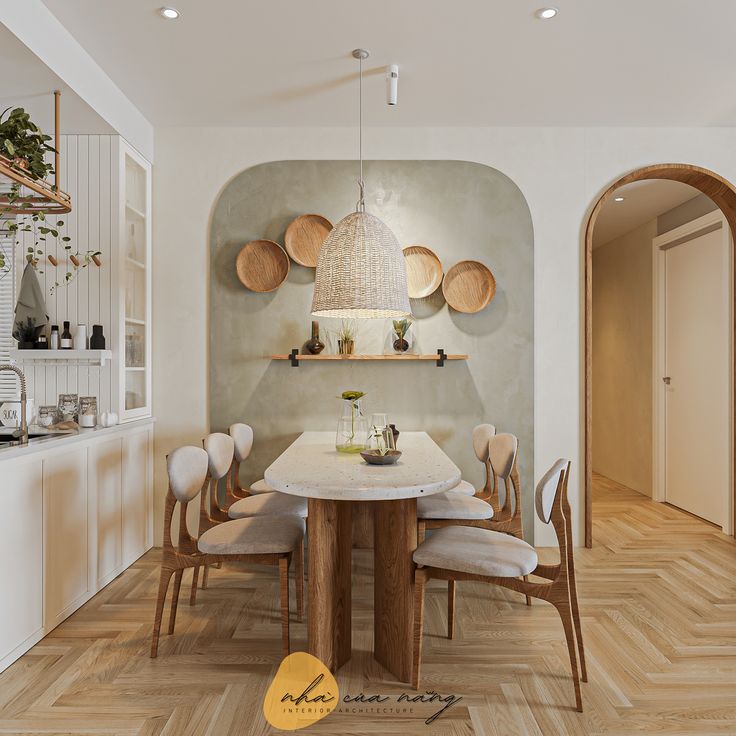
x,y
481,555
267,540
484,509
242,435
481,436
222,453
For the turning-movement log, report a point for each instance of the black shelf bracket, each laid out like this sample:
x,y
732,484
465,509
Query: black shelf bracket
x,y
441,357
293,357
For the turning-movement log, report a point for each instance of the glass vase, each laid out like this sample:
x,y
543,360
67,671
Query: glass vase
x,y
352,427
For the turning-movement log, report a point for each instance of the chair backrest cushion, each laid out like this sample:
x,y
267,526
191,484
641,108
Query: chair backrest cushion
x,y
187,469
242,435
220,448
481,436
547,489
502,449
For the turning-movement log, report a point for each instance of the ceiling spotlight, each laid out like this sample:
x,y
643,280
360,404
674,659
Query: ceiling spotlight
x,y
618,199
546,13
169,13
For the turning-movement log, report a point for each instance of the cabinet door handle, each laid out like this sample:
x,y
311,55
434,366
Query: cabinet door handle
x,y
667,380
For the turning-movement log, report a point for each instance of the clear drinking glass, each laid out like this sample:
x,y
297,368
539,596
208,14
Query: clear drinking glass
x,y
380,436
352,427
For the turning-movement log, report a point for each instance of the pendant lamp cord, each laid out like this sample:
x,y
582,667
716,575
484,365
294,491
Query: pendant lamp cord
x,y
360,207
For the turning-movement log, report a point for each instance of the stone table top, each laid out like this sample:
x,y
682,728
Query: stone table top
x,y
312,467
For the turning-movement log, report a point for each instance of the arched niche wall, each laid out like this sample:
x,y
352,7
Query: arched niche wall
x,y
458,209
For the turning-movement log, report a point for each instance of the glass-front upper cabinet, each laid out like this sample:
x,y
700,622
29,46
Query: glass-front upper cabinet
x,y
134,330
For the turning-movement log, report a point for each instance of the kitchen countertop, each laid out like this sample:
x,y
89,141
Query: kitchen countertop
x,y
51,442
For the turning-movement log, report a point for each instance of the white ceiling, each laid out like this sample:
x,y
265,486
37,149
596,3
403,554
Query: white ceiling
x,y
643,201
468,63
31,86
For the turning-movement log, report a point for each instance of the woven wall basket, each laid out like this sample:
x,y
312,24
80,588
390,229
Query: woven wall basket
x,y
469,286
304,238
262,265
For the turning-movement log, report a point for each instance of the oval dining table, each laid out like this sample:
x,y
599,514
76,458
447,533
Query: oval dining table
x,y
333,481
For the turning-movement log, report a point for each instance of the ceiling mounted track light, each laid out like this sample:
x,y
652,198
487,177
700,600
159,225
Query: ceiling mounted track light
x,y
360,268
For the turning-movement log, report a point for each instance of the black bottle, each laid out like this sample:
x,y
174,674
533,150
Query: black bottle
x,y
66,338
97,341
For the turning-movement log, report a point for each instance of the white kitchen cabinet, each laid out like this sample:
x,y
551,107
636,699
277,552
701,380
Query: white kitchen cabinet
x,y
105,466
21,552
136,466
132,272
74,513
66,529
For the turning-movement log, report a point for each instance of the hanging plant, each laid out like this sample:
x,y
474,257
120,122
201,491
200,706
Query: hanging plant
x,y
13,226
22,141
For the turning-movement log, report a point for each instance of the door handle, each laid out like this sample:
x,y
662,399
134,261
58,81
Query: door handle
x,y
667,380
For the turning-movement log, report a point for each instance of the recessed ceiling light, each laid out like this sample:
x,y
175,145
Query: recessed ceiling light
x,y
546,13
618,199
169,13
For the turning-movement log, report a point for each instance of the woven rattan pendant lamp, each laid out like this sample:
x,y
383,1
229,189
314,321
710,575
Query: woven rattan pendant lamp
x,y
360,267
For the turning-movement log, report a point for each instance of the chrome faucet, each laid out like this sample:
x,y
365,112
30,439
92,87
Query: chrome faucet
x,y
23,434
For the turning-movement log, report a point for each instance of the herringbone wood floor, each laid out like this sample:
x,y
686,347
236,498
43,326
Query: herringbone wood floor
x,y
658,598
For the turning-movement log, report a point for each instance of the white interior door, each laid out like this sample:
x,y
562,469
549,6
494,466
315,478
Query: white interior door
x,y
696,378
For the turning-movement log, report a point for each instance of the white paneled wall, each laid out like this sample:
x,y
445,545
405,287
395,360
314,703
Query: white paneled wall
x,y
87,170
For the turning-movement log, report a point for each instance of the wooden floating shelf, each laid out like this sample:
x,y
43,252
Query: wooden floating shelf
x,y
61,357
439,357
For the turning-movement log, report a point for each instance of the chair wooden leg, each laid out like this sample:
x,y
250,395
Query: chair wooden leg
x,y
421,532
450,609
528,599
193,593
205,577
299,575
565,611
175,600
284,584
576,617
420,581
163,586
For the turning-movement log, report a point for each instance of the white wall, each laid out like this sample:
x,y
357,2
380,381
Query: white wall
x,y
622,358
560,171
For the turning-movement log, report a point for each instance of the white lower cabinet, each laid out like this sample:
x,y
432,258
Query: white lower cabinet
x,y
105,464
66,530
21,552
72,518
136,468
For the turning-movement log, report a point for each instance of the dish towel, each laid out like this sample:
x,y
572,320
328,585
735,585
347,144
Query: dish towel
x,y
30,310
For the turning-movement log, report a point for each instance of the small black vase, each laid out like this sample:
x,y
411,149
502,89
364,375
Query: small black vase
x,y
97,340
314,345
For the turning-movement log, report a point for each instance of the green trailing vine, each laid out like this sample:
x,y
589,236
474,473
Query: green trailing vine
x,y
26,146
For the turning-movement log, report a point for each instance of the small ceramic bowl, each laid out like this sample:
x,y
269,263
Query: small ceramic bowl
x,y
374,457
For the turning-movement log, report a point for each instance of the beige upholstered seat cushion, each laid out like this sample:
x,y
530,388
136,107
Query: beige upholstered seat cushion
x,y
477,551
453,505
260,486
261,536
467,489
274,503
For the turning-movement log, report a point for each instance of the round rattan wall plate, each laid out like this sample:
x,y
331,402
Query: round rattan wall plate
x,y
304,238
262,265
469,286
423,271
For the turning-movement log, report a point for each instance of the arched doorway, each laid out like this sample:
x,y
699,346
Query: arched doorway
x,y
723,193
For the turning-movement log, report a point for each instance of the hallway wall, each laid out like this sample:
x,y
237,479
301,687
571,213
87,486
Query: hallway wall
x,y
622,359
